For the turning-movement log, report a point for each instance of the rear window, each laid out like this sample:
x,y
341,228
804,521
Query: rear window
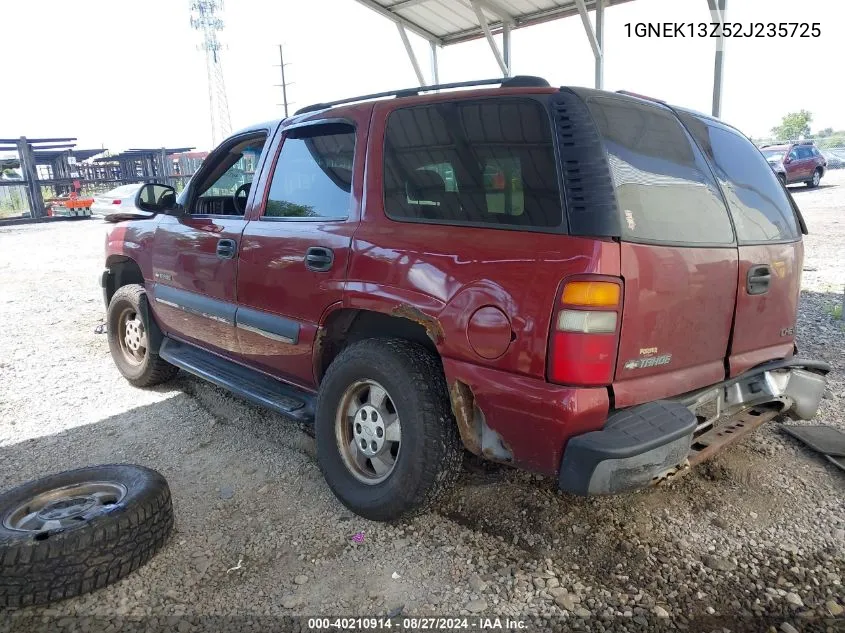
x,y
664,188
758,203
487,163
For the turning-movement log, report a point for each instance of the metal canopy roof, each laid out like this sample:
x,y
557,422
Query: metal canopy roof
x,y
444,22
452,21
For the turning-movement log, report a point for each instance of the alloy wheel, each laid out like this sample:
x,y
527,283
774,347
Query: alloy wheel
x,y
368,431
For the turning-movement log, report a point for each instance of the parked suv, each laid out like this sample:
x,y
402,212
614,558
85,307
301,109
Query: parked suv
x,y
588,285
800,161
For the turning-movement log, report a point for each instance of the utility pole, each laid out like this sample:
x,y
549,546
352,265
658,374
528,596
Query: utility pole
x,y
284,85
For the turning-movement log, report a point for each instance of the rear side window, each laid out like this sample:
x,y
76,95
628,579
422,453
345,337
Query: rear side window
x,y
758,203
313,175
663,186
487,163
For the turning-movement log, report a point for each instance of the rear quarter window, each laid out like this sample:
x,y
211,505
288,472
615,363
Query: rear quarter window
x,y
664,189
480,163
757,201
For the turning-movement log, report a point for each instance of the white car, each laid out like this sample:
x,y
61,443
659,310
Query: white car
x,y
118,200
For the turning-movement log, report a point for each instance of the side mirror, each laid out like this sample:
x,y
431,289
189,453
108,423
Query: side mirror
x,y
156,198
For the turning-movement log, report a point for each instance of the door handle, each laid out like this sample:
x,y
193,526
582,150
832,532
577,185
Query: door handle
x,y
757,282
226,249
319,259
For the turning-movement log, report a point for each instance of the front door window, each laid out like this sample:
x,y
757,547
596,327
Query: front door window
x,y
226,187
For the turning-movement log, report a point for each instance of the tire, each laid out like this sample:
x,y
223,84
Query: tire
x,y
142,367
91,550
429,455
817,178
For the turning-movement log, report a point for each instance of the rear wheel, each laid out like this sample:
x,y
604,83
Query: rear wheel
x,y
129,340
386,439
816,179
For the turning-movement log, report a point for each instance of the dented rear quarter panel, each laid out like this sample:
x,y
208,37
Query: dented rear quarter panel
x,y
440,275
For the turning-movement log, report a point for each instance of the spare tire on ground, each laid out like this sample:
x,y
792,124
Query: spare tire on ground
x,y
80,530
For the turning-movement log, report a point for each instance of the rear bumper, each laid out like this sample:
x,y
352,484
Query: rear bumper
x,y
646,444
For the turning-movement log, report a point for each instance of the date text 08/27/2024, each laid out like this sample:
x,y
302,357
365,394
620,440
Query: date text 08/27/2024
x,y
416,624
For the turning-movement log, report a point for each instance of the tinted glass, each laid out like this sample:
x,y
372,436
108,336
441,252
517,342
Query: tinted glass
x,y
488,162
759,205
241,172
663,185
313,176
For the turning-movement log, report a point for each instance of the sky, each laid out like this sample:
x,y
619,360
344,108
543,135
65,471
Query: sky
x,y
128,73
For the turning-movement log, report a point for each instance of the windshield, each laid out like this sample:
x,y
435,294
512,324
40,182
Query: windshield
x,y
773,155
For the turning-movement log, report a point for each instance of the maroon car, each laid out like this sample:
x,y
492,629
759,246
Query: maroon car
x,y
588,285
800,161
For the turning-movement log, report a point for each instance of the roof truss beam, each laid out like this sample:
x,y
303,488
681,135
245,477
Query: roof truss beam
x,y
485,27
411,55
588,27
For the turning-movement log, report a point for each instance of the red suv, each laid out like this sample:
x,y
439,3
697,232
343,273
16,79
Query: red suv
x,y
589,285
800,161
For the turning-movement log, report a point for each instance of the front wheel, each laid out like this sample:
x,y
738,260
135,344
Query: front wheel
x,y
387,442
129,340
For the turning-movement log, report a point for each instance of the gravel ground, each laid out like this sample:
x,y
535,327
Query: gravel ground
x,y
758,532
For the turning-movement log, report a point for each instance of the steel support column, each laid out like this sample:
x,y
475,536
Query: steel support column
x,y
411,55
435,71
30,176
718,9
600,40
506,47
592,36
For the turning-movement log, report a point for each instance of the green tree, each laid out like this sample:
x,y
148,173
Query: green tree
x,y
794,125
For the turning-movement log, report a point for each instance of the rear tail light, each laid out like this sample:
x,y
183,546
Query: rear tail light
x,y
585,332
117,201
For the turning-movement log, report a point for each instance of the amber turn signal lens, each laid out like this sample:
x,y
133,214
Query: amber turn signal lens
x,y
596,294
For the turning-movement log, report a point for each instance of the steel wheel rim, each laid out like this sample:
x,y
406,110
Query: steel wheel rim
x,y
64,507
816,178
132,336
368,432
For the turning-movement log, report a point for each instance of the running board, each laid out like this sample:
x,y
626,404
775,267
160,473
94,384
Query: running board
x,y
242,381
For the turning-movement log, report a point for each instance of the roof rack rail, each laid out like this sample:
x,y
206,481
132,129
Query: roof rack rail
x,y
519,81
628,93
